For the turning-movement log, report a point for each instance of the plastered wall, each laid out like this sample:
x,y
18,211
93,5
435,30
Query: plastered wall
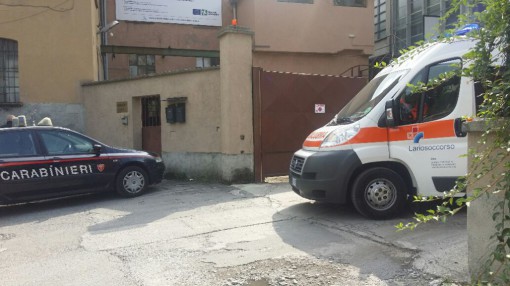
x,y
215,141
200,132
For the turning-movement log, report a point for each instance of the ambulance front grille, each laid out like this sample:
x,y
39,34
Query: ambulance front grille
x,y
296,164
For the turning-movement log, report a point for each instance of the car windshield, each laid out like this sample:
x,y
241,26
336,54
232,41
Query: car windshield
x,y
367,98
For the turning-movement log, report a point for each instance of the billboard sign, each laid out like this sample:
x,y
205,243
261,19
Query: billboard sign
x,y
188,12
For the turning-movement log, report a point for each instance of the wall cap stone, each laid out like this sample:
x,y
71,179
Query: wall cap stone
x,y
154,75
482,125
235,30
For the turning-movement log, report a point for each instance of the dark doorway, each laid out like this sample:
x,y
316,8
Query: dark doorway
x,y
151,123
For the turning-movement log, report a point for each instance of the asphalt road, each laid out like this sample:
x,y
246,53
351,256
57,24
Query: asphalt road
x,y
185,233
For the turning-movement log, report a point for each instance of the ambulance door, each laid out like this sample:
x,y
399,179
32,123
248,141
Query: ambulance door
x,y
424,139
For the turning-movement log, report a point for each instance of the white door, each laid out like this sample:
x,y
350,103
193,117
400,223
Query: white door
x,y
425,139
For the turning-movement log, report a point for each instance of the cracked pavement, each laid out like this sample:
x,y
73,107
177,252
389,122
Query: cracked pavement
x,y
187,233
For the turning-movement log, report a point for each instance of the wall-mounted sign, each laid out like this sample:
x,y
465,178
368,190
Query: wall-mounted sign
x,y
122,107
188,12
320,108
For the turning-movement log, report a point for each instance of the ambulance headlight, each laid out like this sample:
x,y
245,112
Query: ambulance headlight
x,y
340,136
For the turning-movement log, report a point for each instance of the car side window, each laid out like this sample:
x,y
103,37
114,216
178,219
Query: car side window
x,y
16,144
58,142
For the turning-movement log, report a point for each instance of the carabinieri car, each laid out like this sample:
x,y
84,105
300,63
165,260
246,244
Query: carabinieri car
x,y
42,162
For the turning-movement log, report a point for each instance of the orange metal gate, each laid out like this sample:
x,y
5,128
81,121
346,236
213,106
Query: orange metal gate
x,y
285,113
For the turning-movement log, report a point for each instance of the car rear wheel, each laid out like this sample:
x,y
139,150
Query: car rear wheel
x,y
131,181
379,193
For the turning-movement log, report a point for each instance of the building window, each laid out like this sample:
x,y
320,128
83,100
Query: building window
x,y
416,21
350,3
141,65
9,81
433,7
207,62
151,111
380,19
297,1
401,28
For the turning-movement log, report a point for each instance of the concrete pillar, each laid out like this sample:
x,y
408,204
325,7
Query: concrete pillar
x,y
236,103
480,224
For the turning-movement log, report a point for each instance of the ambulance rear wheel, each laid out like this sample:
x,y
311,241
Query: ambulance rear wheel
x,y
131,181
379,193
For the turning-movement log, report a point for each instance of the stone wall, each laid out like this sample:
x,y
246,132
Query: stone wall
x,y
480,223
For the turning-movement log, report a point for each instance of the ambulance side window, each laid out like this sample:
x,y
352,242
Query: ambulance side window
x,y
441,99
436,97
16,144
60,143
409,101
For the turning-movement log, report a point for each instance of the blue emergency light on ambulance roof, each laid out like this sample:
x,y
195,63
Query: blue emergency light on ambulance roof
x,y
466,29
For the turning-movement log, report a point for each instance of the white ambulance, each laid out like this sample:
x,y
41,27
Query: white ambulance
x,y
390,141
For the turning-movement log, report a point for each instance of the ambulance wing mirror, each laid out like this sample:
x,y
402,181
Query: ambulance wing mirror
x,y
458,126
97,149
389,110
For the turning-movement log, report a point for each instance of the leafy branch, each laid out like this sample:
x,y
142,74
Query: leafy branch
x,y
489,65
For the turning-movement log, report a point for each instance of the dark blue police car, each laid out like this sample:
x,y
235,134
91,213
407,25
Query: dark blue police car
x,y
42,162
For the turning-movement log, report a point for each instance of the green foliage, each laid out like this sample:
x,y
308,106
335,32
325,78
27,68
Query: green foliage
x,y
380,65
489,64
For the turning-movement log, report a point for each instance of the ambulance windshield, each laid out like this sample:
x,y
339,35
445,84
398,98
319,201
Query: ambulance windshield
x,y
367,98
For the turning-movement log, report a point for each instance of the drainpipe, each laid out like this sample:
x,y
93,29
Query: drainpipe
x,y
104,38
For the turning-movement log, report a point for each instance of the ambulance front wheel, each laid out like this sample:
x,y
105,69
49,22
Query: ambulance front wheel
x,y
379,193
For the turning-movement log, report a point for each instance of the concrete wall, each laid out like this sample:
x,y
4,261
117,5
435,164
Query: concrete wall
x,y
56,53
215,142
161,35
198,134
70,115
320,27
480,224
317,38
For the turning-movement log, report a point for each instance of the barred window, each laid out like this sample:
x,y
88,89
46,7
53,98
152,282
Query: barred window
x,y
141,65
9,81
350,3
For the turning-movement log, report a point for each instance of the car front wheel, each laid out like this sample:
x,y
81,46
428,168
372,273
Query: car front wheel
x,y
131,181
